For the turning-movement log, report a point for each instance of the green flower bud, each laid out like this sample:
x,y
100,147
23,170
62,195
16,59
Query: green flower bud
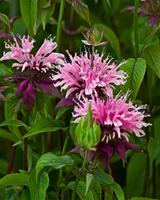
x,y
87,133
94,38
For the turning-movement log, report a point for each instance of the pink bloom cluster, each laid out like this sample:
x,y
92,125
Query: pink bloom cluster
x,y
83,78
115,116
33,71
41,61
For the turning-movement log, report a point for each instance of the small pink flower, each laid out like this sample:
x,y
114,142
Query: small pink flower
x,y
33,71
83,78
117,119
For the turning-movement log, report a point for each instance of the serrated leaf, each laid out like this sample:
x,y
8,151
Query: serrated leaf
x,y
90,182
97,193
110,35
52,160
81,9
153,149
10,194
46,125
14,122
151,55
38,186
28,11
81,186
135,181
101,177
136,71
118,191
14,179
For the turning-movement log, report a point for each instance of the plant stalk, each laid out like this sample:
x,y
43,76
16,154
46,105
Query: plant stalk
x,y
77,179
135,24
59,25
61,169
11,160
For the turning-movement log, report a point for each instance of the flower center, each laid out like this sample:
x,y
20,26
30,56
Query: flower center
x,y
33,73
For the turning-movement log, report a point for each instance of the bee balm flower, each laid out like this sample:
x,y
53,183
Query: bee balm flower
x,y
33,71
83,78
117,119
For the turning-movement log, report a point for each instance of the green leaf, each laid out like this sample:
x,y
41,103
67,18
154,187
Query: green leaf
x,y
53,194
13,106
28,11
45,10
151,55
141,198
46,125
135,175
136,71
81,186
14,179
118,190
90,182
5,71
4,18
10,194
110,35
97,193
52,160
101,177
7,135
81,9
14,122
26,195
38,186
61,111
153,149
4,166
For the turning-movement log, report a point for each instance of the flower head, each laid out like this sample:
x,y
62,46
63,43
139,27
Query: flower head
x,y
33,71
83,78
94,38
117,119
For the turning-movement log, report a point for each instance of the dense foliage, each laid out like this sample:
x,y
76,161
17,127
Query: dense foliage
x,y
79,99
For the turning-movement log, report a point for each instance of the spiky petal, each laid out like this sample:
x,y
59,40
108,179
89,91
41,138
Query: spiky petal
x,y
83,78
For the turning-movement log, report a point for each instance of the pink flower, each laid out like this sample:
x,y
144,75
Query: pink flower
x,y
83,78
117,119
33,71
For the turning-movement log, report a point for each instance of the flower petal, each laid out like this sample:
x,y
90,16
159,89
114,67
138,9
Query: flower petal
x,y
109,150
120,149
49,88
22,86
70,100
29,96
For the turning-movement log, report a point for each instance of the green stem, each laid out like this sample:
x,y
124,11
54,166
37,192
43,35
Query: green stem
x,y
63,152
77,179
25,154
59,24
135,24
92,57
43,143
